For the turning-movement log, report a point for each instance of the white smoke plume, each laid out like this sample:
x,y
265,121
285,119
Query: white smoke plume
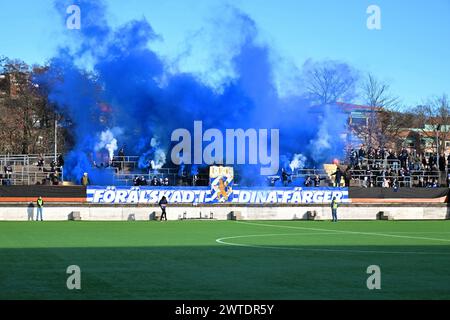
x,y
159,159
321,145
108,141
159,154
298,162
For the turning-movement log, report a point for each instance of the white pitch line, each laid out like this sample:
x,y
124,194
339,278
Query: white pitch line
x,y
222,241
348,232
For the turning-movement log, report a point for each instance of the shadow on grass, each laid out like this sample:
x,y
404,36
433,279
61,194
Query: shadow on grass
x,y
226,272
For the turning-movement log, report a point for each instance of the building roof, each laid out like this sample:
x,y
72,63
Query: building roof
x,y
350,107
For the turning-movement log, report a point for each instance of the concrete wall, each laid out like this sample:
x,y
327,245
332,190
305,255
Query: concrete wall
x,y
21,212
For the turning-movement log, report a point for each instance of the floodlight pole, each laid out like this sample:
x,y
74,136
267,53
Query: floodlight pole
x,y
438,127
56,138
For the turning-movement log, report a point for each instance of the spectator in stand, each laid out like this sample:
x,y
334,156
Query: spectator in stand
x,y
121,154
395,162
395,184
401,177
308,182
194,179
435,183
370,179
353,157
431,161
53,166
317,179
60,161
155,182
417,163
8,171
121,159
166,182
55,180
40,162
135,181
441,163
338,174
361,153
403,157
143,181
424,161
448,162
85,181
421,183
347,176
284,177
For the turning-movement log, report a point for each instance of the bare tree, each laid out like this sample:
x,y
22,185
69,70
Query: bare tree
x,y
330,81
26,117
433,119
385,120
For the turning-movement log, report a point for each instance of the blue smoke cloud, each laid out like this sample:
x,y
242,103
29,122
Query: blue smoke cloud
x,y
113,83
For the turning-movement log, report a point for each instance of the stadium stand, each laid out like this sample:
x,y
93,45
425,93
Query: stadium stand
x,y
29,170
373,169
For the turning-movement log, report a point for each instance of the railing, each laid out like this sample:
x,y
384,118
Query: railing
x,y
390,163
406,180
128,179
29,178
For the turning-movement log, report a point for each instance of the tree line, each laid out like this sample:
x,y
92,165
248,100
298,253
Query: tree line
x,y
27,118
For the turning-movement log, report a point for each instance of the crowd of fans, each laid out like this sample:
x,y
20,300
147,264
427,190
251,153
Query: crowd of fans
x,y
54,171
387,168
51,172
155,181
365,166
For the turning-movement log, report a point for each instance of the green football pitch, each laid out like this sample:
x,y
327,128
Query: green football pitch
x,y
225,259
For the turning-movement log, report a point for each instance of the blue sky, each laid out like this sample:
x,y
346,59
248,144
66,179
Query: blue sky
x,y
411,51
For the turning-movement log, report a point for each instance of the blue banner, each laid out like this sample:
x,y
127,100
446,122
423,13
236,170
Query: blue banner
x,y
206,195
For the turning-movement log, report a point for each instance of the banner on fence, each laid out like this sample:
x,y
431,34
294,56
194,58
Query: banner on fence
x,y
207,195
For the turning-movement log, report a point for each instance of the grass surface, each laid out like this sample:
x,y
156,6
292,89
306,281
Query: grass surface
x,y
252,259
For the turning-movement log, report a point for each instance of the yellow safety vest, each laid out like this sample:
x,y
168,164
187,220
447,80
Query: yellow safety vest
x,y
335,205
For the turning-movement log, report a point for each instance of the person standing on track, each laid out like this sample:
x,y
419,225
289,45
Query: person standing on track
x,y
163,204
40,208
334,206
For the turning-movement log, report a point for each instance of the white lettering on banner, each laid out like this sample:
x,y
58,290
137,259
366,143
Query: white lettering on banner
x,y
261,197
318,197
188,197
272,198
178,195
142,196
153,197
109,196
307,197
286,196
133,197
121,196
97,196
296,197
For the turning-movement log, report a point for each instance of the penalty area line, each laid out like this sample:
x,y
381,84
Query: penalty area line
x,y
347,232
